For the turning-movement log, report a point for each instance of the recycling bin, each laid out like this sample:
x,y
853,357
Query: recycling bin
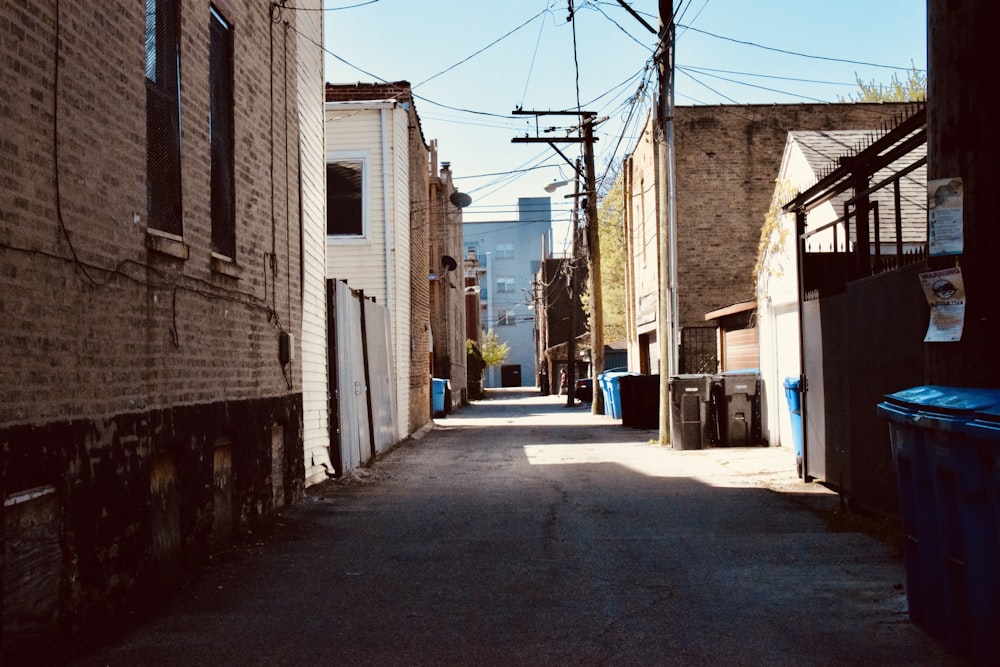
x,y
941,454
610,384
438,389
640,401
737,415
918,512
794,398
983,544
690,395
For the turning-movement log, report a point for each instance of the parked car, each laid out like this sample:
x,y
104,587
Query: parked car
x,y
584,390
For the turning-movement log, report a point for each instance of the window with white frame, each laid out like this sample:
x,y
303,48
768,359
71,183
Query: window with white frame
x,y
505,251
347,196
505,284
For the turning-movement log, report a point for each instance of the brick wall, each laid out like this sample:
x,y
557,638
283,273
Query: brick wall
x,y
119,346
419,360
727,160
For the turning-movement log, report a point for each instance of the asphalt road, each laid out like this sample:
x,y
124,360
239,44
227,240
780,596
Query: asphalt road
x,y
522,532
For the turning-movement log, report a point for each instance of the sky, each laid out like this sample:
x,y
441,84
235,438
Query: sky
x,y
472,62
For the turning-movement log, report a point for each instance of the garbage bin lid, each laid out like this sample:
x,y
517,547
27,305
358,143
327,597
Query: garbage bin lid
x,y
959,401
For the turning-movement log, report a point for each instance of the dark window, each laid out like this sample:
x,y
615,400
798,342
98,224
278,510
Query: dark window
x,y
220,122
163,116
345,198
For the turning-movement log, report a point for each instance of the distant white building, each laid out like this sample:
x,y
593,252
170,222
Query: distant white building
x,y
511,253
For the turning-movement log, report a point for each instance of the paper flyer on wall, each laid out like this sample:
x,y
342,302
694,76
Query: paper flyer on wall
x,y
945,292
944,217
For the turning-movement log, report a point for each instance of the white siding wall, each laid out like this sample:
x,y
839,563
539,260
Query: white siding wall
x,y
381,131
312,345
362,263
400,253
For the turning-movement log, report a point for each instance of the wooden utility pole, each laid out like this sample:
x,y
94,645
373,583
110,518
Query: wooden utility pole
x,y
594,269
962,142
666,237
666,229
587,123
574,298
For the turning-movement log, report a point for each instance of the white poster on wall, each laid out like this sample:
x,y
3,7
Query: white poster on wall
x,y
944,217
945,293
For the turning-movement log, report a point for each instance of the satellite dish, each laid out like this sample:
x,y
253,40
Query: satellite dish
x,y
449,263
460,199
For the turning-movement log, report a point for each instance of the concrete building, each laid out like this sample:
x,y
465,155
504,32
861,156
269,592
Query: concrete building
x,y
511,253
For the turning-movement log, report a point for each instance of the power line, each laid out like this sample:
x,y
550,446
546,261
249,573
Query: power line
x,y
792,53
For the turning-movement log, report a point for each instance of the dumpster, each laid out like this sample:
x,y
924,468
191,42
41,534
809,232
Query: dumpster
x,y
640,400
737,411
794,398
951,538
690,395
438,388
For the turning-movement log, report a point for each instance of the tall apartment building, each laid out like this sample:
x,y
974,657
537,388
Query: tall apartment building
x,y
511,252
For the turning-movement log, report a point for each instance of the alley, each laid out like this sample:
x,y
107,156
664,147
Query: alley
x,y
522,532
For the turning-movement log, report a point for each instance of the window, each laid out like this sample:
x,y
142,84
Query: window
x,y
220,121
505,251
163,116
346,197
505,318
505,285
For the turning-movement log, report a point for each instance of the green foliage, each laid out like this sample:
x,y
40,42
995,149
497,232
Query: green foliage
x,y
773,236
610,225
494,352
474,368
913,89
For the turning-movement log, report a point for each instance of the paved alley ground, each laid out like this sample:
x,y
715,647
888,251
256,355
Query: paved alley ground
x,y
522,532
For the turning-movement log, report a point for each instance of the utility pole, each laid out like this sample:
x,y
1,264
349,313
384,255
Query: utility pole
x,y
587,123
594,269
574,297
666,235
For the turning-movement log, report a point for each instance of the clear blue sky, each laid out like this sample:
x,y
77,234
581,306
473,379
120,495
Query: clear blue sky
x,y
471,62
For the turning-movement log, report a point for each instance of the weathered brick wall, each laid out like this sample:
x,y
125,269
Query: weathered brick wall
x,y
727,159
419,360
119,347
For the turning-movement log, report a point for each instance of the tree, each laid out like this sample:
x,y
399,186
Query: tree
x,y
494,352
474,368
610,224
914,89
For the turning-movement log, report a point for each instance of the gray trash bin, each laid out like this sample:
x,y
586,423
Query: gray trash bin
x,y
737,411
689,400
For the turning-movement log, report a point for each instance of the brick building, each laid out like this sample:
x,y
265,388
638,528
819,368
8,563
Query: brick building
x,y
446,267
726,161
151,272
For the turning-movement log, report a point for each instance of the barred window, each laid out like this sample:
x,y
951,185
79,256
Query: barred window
x,y
163,116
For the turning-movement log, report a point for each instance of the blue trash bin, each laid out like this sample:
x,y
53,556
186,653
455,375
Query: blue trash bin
x,y
794,398
955,583
610,383
438,390
983,541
